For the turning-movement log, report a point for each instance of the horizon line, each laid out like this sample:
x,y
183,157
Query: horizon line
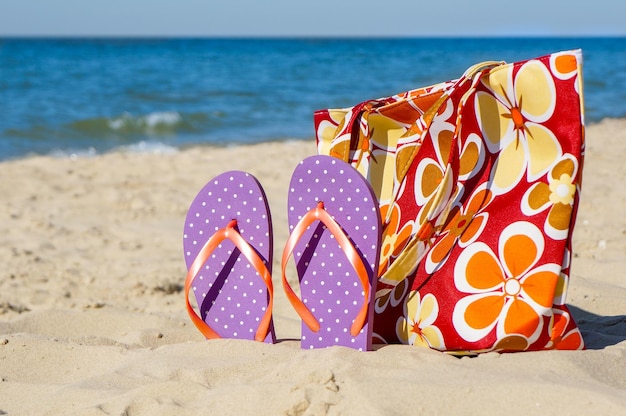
x,y
307,37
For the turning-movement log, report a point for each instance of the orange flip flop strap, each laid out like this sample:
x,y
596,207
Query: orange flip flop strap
x,y
320,214
229,233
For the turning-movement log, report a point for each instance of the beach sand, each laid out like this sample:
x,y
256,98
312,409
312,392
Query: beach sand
x,y
92,317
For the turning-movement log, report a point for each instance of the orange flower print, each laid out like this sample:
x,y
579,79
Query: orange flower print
x,y
508,291
416,326
434,186
560,339
556,195
463,227
394,238
510,115
565,65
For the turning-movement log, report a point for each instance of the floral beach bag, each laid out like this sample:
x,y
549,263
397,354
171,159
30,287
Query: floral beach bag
x,y
478,181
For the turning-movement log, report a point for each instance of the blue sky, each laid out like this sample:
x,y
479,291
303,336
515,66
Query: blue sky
x,y
312,18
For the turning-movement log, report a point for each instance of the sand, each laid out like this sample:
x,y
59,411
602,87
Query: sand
x,y
92,317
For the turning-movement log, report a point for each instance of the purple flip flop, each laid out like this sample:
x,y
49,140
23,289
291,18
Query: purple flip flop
x,y
228,251
334,223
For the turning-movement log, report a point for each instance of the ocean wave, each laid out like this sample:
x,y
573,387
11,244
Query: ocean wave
x,y
75,153
151,124
154,148
124,126
142,147
159,131
224,92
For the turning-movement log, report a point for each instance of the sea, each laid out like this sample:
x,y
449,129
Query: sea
x,y
81,97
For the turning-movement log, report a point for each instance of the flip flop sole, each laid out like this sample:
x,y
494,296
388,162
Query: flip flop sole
x,y
231,295
329,285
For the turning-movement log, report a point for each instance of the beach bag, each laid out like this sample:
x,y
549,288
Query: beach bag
x,y
478,181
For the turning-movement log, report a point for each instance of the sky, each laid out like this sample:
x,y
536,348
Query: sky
x,y
296,18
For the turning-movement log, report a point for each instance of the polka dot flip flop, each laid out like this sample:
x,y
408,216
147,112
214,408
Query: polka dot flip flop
x,y
334,223
228,251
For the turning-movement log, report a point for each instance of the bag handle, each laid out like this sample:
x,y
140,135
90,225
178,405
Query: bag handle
x,y
356,114
474,72
360,111
443,198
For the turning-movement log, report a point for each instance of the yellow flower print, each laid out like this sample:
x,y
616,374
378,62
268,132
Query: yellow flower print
x,y
508,291
560,291
510,114
511,343
391,296
330,131
472,157
431,172
557,195
416,326
428,178
562,190
381,160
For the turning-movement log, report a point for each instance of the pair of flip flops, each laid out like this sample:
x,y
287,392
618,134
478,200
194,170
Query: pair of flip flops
x,y
334,226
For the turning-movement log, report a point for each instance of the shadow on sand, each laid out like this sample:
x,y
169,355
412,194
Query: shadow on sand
x,y
599,331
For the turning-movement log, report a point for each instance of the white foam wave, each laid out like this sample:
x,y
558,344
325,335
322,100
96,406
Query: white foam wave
x,y
154,148
167,117
151,121
74,154
144,147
